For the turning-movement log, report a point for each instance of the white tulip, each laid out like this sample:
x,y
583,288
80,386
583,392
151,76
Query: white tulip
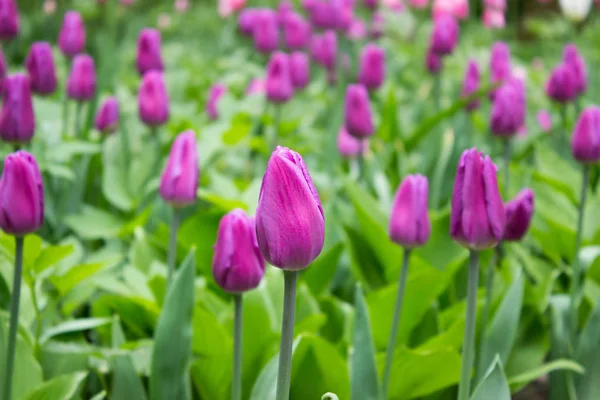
x,y
575,10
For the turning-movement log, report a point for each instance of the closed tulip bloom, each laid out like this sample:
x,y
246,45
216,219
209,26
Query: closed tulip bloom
x,y
265,32
500,68
17,120
179,180
561,84
71,38
153,101
544,120
323,14
246,20
477,219
409,221
444,37
278,81
296,32
372,4
324,49
349,146
40,67
238,264
357,111
284,10
81,84
371,71
290,224
493,18
299,70
9,19
107,117
433,62
214,94
457,8
508,108
471,84
585,143
148,51
576,63
21,195
377,25
519,212
575,10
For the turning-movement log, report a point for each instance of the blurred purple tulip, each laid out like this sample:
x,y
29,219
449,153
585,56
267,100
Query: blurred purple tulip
x,y
471,84
519,212
296,32
371,71
71,38
544,120
409,221
107,117
444,37
153,100
40,67
585,142
357,111
299,69
349,146
9,20
17,119
214,94
278,80
324,49
433,62
81,83
265,31
576,63
508,108
179,180
561,86
148,56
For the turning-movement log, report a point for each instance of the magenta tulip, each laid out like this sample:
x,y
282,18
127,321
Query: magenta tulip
x,y
71,39
107,117
17,119
153,101
519,212
40,67
409,222
148,56
585,143
179,180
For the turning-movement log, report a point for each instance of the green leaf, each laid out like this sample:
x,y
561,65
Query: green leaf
x,y
493,385
75,325
126,383
588,386
94,223
115,179
50,256
173,337
446,149
363,370
545,369
64,283
266,385
322,270
561,382
62,387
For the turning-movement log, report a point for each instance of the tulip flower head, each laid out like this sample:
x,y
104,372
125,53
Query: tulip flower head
x,y
299,69
40,67
459,9
371,4
265,31
107,117
519,212
148,51
433,62
324,49
349,146
246,20
372,67
576,63
585,142
21,195
284,10
238,265
561,87
71,38
471,84
508,108
153,101
409,222
9,19
296,32
290,224
179,180
357,111
279,81
81,84
228,7
477,220
17,119
544,120
575,10
444,37
377,25
493,18
214,95
500,68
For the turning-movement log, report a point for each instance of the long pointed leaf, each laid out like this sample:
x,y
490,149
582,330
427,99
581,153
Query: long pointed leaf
x,y
493,385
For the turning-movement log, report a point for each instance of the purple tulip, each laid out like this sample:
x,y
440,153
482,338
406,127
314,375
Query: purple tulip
x,y
323,14
519,212
278,80
214,94
357,30
296,32
576,63
561,85
357,112
246,20
471,84
238,264
40,67
444,37
153,101
290,225
500,69
372,4
344,11
179,180
323,49
81,84
377,25
265,32
21,195
477,219
148,51
284,10
409,221
107,117
585,143
349,146
71,38
371,71
433,62
508,108
9,19
17,120
299,69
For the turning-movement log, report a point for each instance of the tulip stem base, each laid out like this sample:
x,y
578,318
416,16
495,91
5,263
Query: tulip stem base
x,y
389,356
489,290
507,155
236,382
468,348
14,318
287,335
175,220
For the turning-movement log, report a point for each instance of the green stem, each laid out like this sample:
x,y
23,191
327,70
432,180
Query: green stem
x,y
276,122
175,220
563,131
489,291
507,153
389,356
576,281
38,318
16,147
236,382
125,149
78,119
437,90
287,335
14,318
468,347
65,116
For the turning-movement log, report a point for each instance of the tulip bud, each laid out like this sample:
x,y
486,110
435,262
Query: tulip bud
x,y
561,85
179,180
284,10
290,225
296,32
518,213
349,146
148,51
372,67
71,38
153,101
433,62
215,93
265,31
17,120
477,219
409,221
371,4
238,264
456,8
21,195
278,81
471,84
493,18
323,14
585,143
40,66
246,20
508,108
228,7
575,10
576,63
323,49
358,117
357,30
107,117
344,11
500,62
445,35
299,70
81,84
377,25
9,19
544,120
